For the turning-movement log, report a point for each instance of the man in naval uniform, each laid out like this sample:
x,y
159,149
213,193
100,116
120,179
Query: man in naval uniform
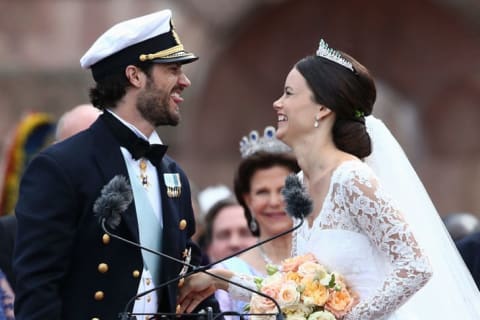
x,y
67,266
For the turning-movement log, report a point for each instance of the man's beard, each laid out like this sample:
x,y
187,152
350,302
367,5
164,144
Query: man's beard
x,y
153,104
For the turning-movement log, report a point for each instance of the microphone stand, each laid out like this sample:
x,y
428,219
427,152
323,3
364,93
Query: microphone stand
x,y
125,314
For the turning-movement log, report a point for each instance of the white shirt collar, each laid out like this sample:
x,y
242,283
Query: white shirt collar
x,y
154,137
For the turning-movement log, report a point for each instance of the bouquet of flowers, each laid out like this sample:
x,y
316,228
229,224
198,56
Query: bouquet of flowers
x,y
304,289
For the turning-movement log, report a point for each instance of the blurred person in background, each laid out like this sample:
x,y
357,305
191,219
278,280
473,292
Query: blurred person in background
x,y
464,229
75,120
226,230
204,199
461,224
469,248
33,132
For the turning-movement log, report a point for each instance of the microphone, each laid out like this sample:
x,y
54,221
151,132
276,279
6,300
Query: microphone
x,y
298,202
117,195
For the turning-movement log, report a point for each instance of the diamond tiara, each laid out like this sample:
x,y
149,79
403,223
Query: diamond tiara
x,y
267,143
331,54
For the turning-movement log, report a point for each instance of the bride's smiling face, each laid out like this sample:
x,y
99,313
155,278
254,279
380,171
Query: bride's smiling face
x,y
295,108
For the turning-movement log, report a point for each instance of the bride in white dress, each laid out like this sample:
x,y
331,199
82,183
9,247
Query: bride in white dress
x,y
385,251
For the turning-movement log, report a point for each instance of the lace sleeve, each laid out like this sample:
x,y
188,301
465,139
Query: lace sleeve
x,y
377,216
239,293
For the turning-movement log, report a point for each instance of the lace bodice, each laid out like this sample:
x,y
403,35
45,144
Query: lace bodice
x,y
360,233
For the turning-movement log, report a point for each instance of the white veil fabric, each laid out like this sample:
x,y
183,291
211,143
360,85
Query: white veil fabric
x,y
451,293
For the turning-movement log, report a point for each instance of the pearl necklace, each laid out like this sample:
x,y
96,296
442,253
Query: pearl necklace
x,y
265,257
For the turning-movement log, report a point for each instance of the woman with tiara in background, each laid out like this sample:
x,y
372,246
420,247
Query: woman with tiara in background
x,y
258,180
372,221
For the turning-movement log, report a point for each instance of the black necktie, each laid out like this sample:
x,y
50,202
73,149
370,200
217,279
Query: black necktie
x,y
138,147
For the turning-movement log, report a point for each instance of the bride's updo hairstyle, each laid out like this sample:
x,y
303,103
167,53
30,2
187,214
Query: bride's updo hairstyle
x,y
347,88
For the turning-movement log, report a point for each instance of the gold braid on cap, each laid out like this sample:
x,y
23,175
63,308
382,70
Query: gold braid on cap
x,y
164,53
331,54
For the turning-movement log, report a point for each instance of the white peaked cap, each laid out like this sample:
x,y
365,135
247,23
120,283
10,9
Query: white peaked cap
x,y
146,38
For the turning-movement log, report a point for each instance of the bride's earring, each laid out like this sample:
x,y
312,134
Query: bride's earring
x,y
316,123
253,225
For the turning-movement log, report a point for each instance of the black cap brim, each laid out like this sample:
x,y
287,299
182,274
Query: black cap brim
x,y
184,58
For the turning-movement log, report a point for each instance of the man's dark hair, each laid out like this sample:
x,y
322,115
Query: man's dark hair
x,y
110,89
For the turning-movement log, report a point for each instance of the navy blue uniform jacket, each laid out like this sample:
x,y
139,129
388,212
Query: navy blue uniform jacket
x,y
60,244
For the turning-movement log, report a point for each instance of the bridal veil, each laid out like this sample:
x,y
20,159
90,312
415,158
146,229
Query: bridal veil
x,y
451,293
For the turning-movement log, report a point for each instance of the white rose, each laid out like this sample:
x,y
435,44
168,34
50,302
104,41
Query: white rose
x,y
299,309
296,316
321,315
309,301
273,280
288,294
310,269
325,279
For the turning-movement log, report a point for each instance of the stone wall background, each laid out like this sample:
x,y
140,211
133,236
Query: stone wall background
x,y
424,55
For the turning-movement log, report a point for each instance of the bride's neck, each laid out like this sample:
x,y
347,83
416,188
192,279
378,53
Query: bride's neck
x,y
318,173
317,166
277,250
315,157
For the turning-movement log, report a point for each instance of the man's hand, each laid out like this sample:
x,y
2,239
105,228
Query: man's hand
x,y
193,291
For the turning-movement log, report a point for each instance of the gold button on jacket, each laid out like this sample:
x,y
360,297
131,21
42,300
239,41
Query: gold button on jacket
x,y
99,295
105,238
102,267
183,224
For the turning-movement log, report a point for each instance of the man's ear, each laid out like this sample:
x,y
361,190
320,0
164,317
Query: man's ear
x,y
135,76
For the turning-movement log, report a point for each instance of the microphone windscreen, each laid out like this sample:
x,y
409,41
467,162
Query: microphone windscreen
x,y
114,199
297,200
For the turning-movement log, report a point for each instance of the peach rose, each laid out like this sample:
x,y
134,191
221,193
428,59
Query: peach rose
x,y
259,304
314,293
340,301
293,276
291,264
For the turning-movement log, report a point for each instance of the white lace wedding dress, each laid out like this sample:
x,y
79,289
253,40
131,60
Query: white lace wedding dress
x,y
360,233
